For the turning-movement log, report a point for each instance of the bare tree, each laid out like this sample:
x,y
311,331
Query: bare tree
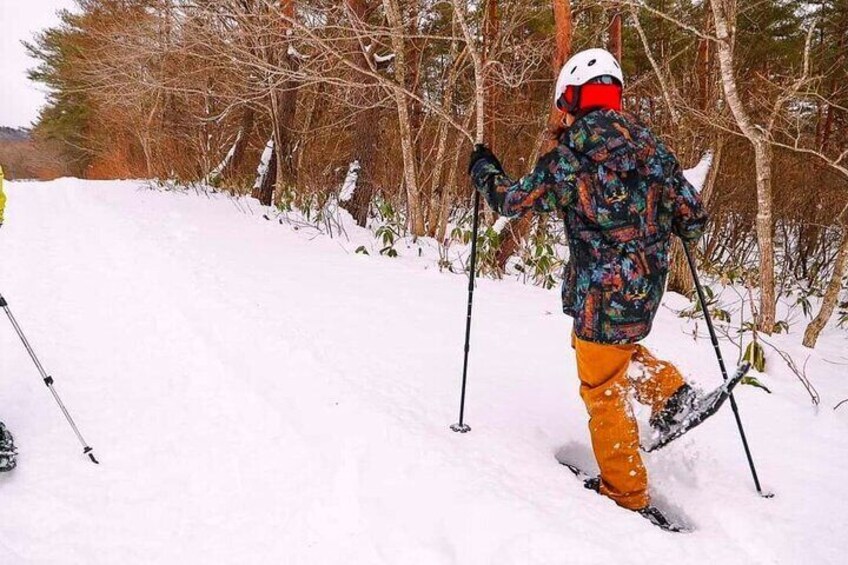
x,y
724,15
831,295
410,166
517,230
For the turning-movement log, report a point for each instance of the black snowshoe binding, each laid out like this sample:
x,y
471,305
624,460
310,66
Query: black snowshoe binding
x,y
686,409
659,519
681,403
593,484
652,513
8,453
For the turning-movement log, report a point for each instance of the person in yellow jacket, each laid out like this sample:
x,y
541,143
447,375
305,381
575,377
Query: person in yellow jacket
x,y
7,444
2,196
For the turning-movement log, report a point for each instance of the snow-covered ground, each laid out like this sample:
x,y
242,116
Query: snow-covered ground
x,y
257,394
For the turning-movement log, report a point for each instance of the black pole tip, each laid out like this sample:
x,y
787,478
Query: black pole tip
x,y
461,428
90,452
767,494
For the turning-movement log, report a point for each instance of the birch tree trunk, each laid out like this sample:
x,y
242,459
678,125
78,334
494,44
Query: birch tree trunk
x,y
410,171
479,76
491,28
437,190
831,295
757,136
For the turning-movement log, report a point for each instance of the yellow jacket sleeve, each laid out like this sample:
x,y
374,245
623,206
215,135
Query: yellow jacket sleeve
x,y
2,196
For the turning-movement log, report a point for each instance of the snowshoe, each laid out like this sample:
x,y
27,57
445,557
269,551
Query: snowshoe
x,y
652,513
590,482
687,409
8,453
657,518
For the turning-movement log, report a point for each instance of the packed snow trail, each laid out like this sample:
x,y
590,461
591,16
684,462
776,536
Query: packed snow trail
x,y
257,394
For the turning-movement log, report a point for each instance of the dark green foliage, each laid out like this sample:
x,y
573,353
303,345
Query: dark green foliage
x,y
65,117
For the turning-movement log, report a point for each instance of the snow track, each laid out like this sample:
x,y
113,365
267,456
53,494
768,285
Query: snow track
x,y
258,395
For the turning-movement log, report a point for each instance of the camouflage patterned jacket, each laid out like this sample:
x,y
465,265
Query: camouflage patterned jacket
x,y
622,194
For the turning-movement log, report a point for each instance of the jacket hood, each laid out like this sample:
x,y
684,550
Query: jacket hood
x,y
608,138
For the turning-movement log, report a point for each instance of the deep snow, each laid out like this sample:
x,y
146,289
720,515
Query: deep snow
x,y
257,394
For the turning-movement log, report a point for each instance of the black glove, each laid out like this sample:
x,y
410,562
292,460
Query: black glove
x,y
483,153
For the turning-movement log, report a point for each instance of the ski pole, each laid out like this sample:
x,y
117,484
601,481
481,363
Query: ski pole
x,y
461,426
714,339
48,380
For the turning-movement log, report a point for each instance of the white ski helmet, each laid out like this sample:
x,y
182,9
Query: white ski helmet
x,y
584,67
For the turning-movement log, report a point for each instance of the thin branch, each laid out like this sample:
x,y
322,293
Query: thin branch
x,y
479,86
664,87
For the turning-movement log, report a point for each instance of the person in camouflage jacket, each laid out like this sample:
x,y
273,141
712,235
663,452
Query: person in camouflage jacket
x,y
622,195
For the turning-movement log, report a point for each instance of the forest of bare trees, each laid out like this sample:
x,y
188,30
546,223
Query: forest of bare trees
x,y
285,99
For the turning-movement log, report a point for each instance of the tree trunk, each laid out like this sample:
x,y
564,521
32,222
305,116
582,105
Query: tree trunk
x,y
831,295
266,175
518,229
410,171
286,146
765,235
234,163
448,191
437,190
491,28
704,66
762,160
365,144
284,108
367,128
614,44
835,85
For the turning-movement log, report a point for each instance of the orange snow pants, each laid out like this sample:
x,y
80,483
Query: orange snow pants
x,y
606,378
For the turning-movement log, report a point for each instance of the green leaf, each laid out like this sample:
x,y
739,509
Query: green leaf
x,y
753,381
756,355
721,314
